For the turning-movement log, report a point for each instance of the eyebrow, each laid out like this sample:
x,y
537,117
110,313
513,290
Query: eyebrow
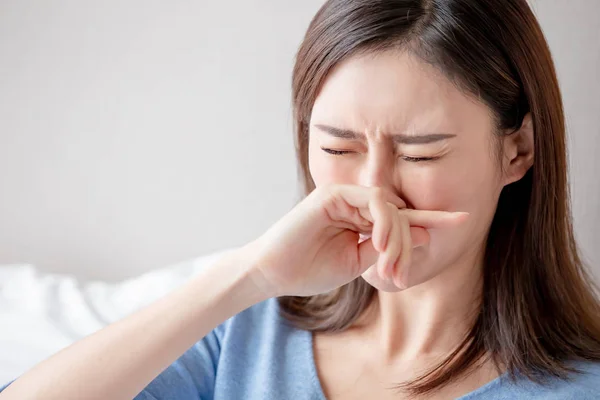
x,y
422,138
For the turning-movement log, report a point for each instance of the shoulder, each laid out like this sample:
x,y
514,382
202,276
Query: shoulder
x,y
581,385
261,316
584,384
266,357
259,324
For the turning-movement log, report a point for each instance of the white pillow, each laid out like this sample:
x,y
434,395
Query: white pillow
x,y
42,313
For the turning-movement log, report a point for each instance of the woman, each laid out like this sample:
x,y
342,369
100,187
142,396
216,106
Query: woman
x,y
432,257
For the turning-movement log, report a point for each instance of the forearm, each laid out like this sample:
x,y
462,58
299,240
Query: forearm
x,y
121,359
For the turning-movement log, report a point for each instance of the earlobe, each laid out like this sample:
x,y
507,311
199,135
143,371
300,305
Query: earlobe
x,y
519,151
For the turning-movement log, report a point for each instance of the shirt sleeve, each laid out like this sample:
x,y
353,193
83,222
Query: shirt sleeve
x,y
192,376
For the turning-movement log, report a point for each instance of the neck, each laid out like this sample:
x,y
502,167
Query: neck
x,y
430,319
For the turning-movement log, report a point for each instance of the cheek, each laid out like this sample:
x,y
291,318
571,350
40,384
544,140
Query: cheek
x,y
459,186
324,170
453,186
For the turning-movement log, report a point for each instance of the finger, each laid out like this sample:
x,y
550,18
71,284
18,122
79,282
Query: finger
x,y
434,219
394,244
419,236
427,218
388,273
382,224
360,196
400,272
367,255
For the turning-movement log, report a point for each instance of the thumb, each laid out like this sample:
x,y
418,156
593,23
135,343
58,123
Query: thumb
x,y
367,255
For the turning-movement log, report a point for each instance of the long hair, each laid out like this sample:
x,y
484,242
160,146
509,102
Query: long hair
x,y
539,308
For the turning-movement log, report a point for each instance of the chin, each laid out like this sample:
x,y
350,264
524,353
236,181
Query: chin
x,y
384,285
420,271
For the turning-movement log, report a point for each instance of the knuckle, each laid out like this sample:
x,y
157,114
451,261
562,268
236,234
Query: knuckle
x,y
329,188
378,193
327,191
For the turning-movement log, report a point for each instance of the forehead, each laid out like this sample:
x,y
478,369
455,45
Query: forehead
x,y
394,91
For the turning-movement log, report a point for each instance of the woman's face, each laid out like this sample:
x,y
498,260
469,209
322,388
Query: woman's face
x,y
395,122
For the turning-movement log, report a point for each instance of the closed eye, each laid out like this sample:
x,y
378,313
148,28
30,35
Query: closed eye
x,y
335,152
418,159
405,158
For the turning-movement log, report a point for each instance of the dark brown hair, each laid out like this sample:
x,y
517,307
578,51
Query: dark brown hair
x,y
539,308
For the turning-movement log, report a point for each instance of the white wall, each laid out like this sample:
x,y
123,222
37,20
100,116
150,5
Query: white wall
x,y
134,134
572,29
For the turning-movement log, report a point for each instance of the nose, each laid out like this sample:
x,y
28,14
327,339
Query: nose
x,y
378,171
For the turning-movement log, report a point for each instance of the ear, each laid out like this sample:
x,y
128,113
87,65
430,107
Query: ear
x,y
518,151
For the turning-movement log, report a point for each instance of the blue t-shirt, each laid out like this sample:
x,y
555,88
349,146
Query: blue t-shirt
x,y
257,354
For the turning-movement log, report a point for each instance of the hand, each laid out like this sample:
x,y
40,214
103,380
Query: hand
x,y
316,247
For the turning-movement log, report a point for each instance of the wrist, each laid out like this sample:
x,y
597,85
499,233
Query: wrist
x,y
250,261
236,279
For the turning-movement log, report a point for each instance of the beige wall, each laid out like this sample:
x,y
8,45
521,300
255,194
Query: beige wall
x,y
134,134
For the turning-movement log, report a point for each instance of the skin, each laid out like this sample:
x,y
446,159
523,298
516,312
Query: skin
x,y
315,247
376,97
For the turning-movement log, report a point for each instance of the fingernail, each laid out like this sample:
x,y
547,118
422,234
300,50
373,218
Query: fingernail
x,y
400,283
384,244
